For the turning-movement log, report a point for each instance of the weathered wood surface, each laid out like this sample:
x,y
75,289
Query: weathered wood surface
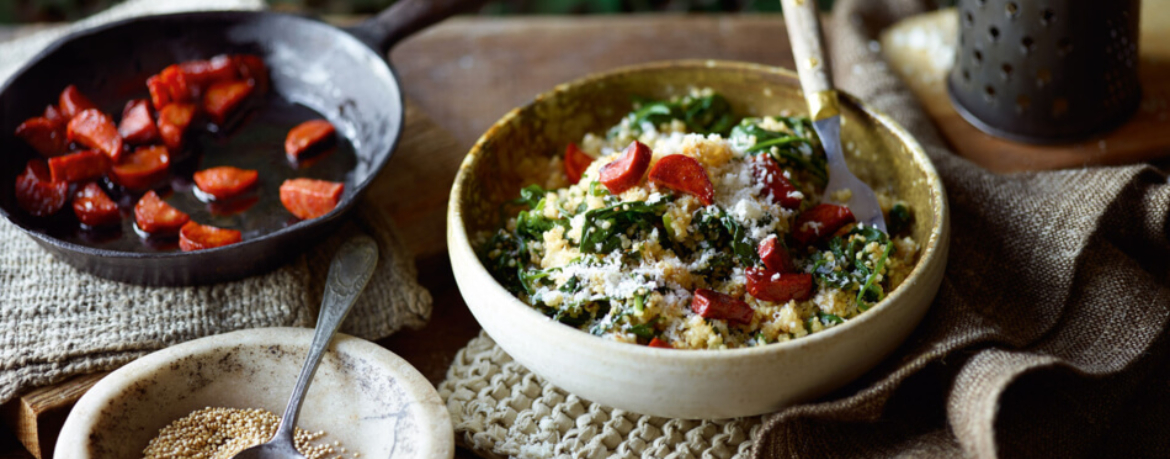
x,y
463,75
37,417
468,72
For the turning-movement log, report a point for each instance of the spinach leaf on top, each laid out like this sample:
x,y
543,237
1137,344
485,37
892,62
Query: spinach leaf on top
x,y
721,230
846,268
785,146
504,256
899,218
704,115
602,226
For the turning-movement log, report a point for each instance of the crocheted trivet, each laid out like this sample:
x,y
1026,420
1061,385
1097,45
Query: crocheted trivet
x,y
500,409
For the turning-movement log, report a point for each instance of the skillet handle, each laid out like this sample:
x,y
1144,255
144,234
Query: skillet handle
x,y
406,17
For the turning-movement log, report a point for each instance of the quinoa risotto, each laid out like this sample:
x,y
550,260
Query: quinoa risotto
x,y
686,227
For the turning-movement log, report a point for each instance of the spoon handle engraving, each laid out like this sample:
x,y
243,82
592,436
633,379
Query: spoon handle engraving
x,y
349,273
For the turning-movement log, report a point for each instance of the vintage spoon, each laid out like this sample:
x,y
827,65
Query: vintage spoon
x,y
348,275
804,31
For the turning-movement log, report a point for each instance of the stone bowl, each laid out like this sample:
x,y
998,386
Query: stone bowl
x,y
689,383
363,396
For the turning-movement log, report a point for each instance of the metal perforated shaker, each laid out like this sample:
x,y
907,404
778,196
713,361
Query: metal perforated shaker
x,y
1046,71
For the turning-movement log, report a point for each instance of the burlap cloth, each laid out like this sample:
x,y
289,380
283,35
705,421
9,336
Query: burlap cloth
x,y
56,322
1047,337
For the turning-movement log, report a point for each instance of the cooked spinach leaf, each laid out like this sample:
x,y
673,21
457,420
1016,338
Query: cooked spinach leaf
x,y
602,324
743,246
646,330
704,115
784,146
716,267
827,318
503,256
653,112
530,279
532,226
899,219
530,196
872,292
576,315
602,226
708,115
844,266
721,230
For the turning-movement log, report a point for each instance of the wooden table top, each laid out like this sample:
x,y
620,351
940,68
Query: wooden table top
x,y
466,73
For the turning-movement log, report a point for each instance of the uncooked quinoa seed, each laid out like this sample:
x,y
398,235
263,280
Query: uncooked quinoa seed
x,y
220,433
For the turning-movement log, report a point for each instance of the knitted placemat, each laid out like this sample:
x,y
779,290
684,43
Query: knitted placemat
x,y
500,409
56,322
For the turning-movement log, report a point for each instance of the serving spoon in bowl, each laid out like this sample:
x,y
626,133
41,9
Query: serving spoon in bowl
x,y
349,273
804,31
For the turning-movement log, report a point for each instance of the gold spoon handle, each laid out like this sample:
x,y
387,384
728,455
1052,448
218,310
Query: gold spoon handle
x,y
804,31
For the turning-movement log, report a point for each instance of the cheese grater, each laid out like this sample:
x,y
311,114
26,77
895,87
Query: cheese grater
x,y
1046,71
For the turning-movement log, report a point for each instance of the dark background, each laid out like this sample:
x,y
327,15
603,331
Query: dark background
x,y
25,11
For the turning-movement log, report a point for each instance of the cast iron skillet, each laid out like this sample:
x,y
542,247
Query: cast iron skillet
x,y
341,75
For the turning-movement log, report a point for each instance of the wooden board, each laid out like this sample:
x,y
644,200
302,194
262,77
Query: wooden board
x,y
468,72
36,417
412,187
465,74
921,49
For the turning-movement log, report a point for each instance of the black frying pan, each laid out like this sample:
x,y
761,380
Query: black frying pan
x,y
314,67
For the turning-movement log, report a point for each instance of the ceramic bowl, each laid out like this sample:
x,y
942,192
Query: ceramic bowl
x,y
363,396
688,383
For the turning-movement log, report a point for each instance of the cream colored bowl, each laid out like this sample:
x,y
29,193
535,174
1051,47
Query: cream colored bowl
x,y
688,383
363,396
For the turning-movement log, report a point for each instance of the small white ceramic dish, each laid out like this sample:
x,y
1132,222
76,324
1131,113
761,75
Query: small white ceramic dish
x,y
363,396
692,383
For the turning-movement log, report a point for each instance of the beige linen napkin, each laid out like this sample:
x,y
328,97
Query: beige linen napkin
x,y
56,322
1048,336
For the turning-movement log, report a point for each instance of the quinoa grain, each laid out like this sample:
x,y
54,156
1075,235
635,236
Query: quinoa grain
x,y
220,433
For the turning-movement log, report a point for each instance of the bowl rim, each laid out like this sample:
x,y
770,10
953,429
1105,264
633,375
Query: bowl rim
x,y
435,419
459,242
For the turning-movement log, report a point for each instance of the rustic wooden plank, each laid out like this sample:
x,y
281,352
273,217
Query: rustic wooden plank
x,y
462,76
468,72
37,416
413,186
